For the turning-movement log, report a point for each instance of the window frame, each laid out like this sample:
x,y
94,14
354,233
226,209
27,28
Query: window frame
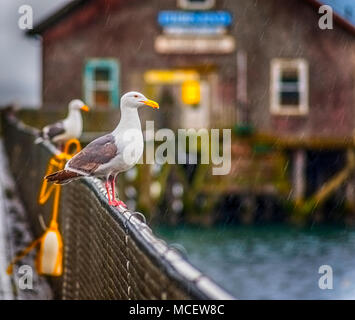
x,y
90,84
301,65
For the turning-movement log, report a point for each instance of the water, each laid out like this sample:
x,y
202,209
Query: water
x,y
271,262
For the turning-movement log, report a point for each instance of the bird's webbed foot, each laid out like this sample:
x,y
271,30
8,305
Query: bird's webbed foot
x,y
117,203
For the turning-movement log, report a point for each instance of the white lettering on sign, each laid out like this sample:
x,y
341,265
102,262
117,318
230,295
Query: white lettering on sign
x,y
220,45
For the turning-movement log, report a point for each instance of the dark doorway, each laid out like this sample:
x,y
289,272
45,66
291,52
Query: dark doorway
x,y
322,166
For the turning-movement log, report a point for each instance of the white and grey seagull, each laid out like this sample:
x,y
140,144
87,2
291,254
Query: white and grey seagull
x,y
69,128
113,153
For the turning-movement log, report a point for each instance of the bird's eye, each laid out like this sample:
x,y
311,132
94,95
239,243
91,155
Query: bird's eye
x,y
136,96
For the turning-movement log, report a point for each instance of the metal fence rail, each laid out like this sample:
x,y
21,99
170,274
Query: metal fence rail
x,y
108,254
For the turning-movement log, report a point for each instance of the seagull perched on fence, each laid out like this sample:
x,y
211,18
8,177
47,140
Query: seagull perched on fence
x,y
113,153
69,128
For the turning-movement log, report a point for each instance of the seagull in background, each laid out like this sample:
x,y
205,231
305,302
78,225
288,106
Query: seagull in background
x,y
69,128
113,153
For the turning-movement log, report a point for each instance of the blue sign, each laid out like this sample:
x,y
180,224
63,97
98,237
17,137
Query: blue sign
x,y
188,18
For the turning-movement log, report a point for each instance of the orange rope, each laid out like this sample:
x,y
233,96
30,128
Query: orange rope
x,y
56,163
23,253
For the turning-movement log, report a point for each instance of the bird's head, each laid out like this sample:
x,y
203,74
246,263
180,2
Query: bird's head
x,y
135,100
78,105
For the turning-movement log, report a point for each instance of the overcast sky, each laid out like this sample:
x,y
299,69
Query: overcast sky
x,y
20,56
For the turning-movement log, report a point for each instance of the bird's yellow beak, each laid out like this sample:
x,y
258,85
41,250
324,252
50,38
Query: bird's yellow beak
x,y
85,108
151,103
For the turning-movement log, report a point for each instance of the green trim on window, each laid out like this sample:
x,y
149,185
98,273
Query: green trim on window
x,y
114,75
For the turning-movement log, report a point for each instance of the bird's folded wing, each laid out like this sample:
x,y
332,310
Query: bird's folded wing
x,y
53,130
96,153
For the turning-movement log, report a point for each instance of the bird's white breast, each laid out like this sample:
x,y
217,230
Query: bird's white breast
x,y
130,148
129,140
73,125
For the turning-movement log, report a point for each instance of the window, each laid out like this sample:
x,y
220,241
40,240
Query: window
x,y
196,4
101,83
289,87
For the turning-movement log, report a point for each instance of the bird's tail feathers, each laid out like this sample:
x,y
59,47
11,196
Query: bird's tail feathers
x,y
63,176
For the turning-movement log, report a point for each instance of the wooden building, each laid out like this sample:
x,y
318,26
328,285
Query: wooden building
x,y
98,49
260,64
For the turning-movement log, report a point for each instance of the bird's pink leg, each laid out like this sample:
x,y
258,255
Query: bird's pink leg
x,y
115,202
108,191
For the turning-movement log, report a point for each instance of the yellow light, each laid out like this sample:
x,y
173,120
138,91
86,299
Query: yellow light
x,y
191,92
172,76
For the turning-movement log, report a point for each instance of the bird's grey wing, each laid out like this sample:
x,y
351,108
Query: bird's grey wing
x,y
96,153
53,130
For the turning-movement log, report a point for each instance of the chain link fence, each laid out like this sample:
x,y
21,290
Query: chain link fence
x,y
108,254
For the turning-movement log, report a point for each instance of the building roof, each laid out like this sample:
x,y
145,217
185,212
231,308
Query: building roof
x,y
339,17
77,4
53,19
